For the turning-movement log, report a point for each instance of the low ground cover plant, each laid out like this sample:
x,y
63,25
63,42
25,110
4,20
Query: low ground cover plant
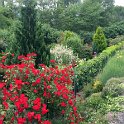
x,y
96,107
30,95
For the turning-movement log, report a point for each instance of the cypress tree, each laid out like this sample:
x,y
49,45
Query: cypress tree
x,y
28,35
43,52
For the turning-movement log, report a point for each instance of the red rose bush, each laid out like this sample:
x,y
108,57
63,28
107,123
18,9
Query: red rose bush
x,y
30,95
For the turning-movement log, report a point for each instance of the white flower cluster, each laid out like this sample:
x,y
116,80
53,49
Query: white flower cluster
x,y
63,55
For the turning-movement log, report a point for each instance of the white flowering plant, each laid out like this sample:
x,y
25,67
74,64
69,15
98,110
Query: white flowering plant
x,y
63,55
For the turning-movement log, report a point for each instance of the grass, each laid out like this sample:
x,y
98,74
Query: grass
x,y
114,67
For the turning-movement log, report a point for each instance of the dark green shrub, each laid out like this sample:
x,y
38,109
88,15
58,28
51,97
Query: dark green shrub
x,y
88,90
75,44
50,34
114,30
87,52
88,38
113,87
99,41
72,40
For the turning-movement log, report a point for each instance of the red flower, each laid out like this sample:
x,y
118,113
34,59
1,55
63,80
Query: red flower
x,y
35,91
37,117
21,120
30,115
47,122
72,122
52,61
63,104
21,103
57,93
37,100
12,119
10,87
6,105
74,109
44,110
65,96
19,83
1,121
42,65
48,87
37,104
2,85
12,55
31,54
20,57
36,82
70,102
63,112
36,107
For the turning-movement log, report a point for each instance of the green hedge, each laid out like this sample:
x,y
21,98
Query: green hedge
x,y
86,71
116,40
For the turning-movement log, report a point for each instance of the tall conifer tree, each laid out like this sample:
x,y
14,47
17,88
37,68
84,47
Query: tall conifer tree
x,y
29,36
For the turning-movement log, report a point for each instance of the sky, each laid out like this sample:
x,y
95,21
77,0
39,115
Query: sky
x,y
119,2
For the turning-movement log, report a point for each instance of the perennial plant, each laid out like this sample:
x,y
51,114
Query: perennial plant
x,y
31,95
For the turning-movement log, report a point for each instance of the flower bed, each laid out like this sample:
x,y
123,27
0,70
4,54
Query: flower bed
x,y
31,95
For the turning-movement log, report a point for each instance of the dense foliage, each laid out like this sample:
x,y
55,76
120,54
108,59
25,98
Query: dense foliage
x,y
99,41
64,30
114,65
36,95
86,71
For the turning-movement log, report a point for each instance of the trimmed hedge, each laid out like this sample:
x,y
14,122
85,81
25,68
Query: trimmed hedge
x,y
86,71
116,40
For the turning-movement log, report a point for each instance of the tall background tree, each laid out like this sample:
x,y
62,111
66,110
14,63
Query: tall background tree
x,y
28,35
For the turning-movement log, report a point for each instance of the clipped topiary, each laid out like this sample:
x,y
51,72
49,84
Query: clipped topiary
x,y
95,101
99,41
113,87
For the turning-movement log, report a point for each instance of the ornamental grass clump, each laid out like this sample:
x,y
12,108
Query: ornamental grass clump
x,y
31,95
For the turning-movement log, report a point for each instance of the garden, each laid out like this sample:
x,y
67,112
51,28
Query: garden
x,y
61,62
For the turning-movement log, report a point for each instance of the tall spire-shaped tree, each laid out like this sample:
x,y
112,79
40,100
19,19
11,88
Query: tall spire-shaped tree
x,y
28,36
28,19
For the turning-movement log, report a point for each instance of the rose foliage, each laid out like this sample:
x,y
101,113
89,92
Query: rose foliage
x,y
31,95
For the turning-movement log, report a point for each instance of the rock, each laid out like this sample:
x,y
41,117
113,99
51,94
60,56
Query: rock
x,y
117,118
